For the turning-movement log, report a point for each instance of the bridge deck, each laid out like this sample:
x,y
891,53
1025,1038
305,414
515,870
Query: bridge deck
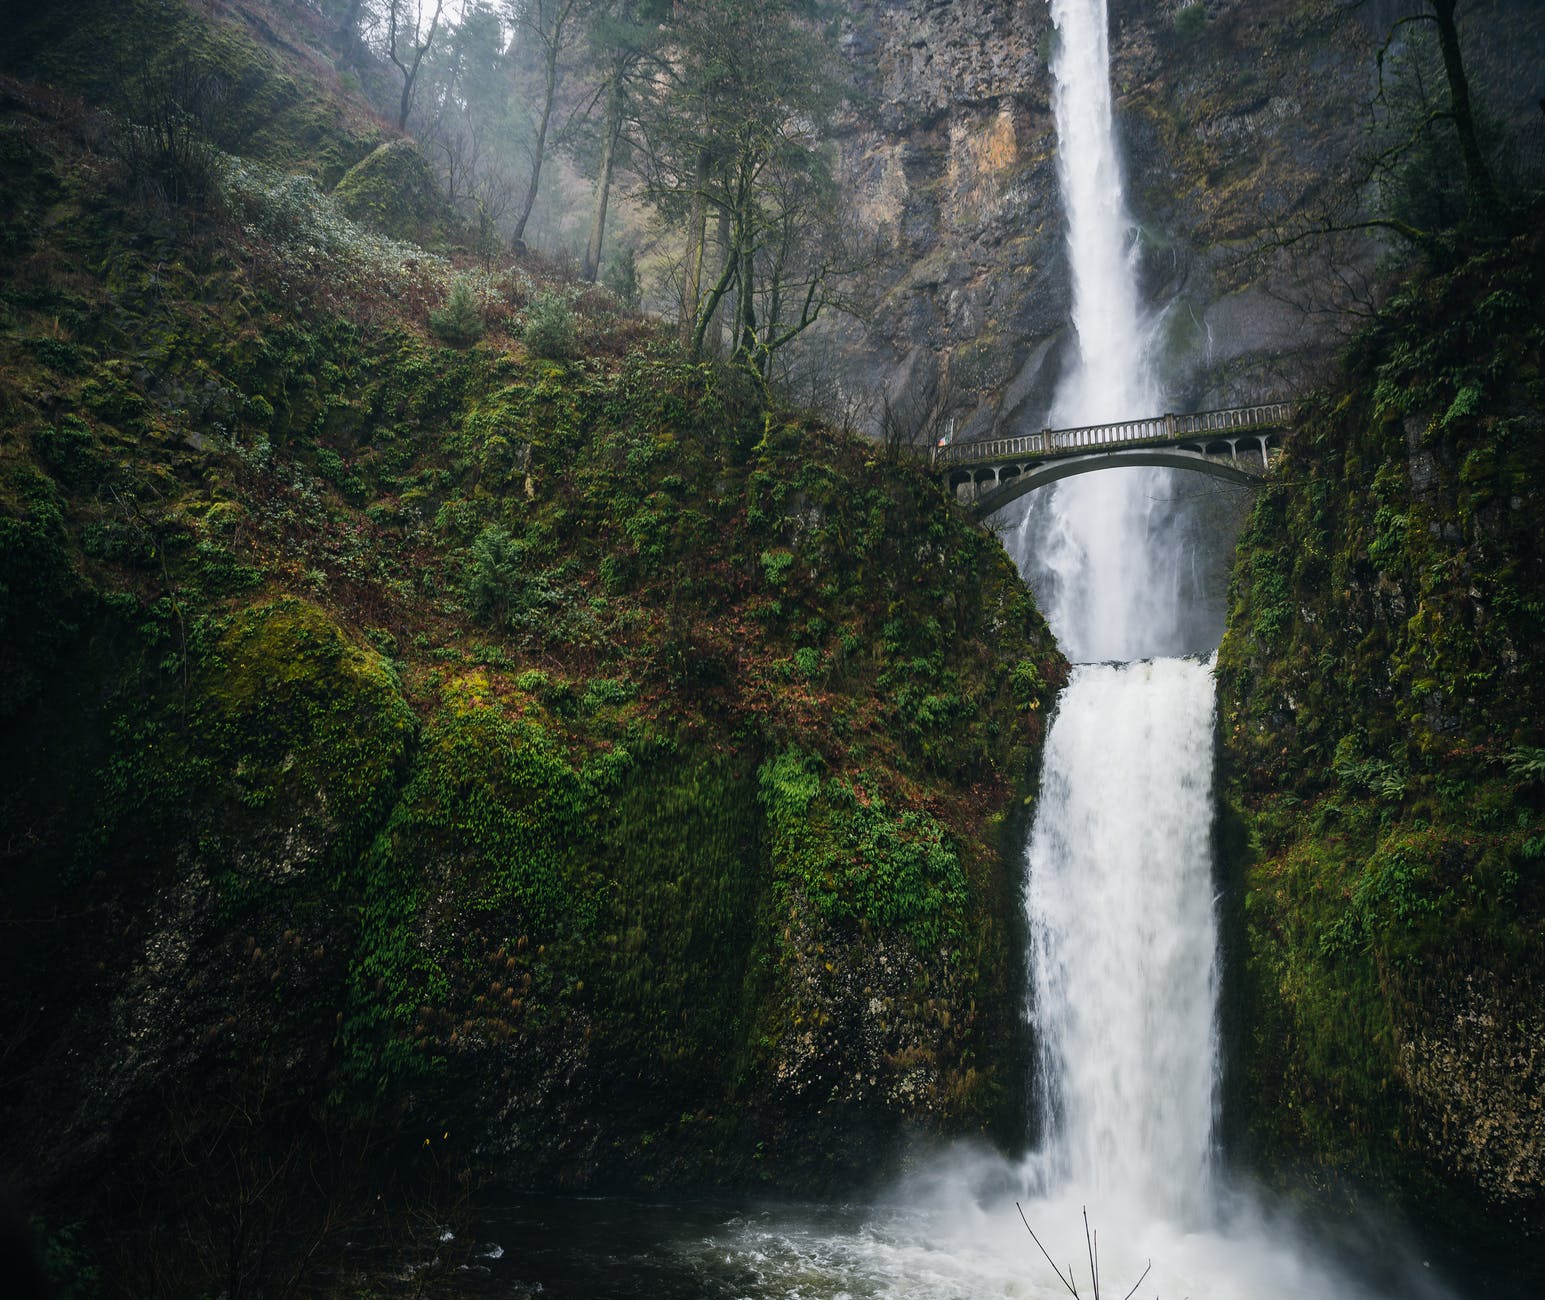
x,y
1160,429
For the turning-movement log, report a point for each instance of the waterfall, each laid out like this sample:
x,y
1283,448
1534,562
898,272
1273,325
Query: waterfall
x,y
1111,380
1087,544
1120,902
1120,892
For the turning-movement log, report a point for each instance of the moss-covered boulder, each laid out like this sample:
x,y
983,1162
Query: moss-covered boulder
x,y
394,190
217,807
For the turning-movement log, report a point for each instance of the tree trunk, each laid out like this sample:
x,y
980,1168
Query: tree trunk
x,y
554,45
410,75
747,300
692,278
603,185
716,295
539,150
723,234
1480,190
407,98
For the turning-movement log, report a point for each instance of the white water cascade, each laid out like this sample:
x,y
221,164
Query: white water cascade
x,y
1121,908
1103,585
1120,898
1123,937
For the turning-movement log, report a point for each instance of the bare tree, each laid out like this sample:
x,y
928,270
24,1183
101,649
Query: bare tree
x,y
1408,121
464,116
404,22
734,135
549,27
923,414
1425,178
1479,185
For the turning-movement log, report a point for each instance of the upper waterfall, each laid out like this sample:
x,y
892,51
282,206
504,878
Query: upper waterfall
x,y
1111,378
1107,583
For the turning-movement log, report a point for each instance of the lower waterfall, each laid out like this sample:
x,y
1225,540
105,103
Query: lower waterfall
x,y
1123,936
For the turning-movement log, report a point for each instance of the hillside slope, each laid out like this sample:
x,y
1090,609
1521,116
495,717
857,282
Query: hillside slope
x,y
423,765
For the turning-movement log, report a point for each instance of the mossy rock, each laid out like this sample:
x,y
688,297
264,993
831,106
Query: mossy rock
x,y
280,753
294,708
393,190
1380,707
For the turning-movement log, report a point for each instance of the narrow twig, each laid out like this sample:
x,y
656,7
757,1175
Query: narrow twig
x,y
1066,1281
1139,1282
1094,1268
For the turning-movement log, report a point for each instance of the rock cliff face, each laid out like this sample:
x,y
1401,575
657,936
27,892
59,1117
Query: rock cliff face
x,y
1239,117
1380,706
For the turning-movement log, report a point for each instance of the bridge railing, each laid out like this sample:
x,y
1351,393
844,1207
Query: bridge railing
x,y
1050,442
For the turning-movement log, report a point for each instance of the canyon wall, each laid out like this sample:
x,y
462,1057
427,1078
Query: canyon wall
x,y
1240,120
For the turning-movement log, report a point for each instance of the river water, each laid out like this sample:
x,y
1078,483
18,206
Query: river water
x,y
1120,905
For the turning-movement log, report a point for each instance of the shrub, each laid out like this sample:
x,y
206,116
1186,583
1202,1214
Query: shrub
x,y
172,109
621,278
1190,21
549,330
459,322
503,584
776,565
493,571
311,245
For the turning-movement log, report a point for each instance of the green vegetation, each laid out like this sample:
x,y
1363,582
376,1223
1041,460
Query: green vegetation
x,y
1190,21
459,322
1381,713
549,331
589,762
621,279
836,844
240,93
392,189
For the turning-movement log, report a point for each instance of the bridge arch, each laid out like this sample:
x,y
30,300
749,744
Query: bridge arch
x,y
1025,478
1235,445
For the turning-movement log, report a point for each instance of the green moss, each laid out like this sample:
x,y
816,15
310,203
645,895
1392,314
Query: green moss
x,y
291,709
840,845
1378,667
682,925
497,794
393,190
617,592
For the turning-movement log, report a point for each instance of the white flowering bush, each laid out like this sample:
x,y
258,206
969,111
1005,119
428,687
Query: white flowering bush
x,y
307,247
311,244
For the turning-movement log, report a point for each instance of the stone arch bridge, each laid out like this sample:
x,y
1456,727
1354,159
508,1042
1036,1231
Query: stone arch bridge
x,y
1237,444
